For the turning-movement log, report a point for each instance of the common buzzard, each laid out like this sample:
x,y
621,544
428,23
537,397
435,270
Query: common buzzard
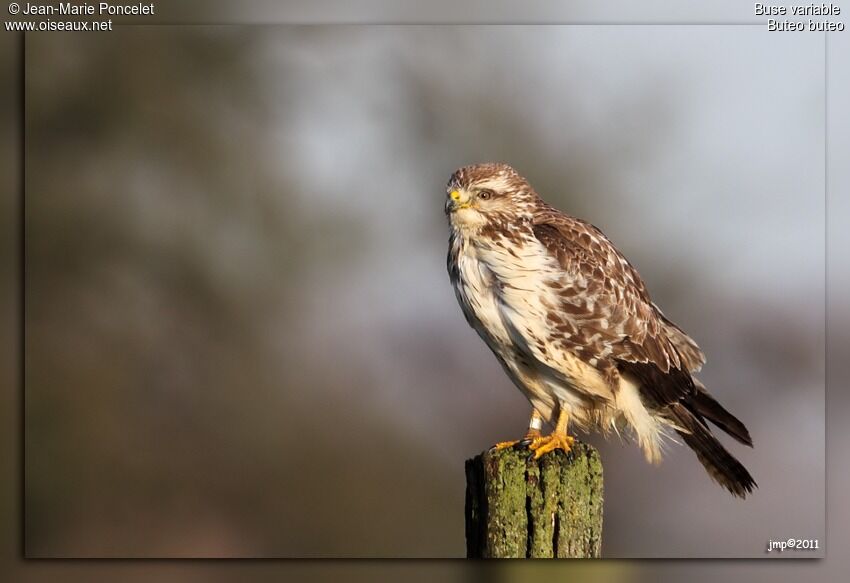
x,y
574,326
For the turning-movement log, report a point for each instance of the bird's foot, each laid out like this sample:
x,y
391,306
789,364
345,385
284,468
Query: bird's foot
x,y
526,441
544,444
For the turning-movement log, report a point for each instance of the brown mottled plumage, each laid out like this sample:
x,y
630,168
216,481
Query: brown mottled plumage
x,y
573,324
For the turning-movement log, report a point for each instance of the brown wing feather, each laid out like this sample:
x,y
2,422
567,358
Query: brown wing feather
x,y
606,297
640,341
691,355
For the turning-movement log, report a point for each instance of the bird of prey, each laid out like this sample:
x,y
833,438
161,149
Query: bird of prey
x,y
574,327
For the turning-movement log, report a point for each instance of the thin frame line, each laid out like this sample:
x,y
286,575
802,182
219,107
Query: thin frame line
x,y
22,290
22,259
825,277
437,23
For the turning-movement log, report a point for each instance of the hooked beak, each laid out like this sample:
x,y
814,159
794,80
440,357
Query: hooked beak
x,y
458,200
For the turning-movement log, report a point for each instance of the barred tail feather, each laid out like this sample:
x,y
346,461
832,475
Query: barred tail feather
x,y
706,405
719,463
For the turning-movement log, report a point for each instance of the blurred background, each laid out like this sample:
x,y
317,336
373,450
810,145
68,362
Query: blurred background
x,y
240,336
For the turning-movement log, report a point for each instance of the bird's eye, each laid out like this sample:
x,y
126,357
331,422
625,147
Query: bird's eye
x,y
485,194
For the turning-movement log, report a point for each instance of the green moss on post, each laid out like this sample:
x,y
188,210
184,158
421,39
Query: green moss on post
x,y
547,508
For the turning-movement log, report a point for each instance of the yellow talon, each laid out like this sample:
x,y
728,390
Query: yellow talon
x,y
543,445
504,445
558,439
530,437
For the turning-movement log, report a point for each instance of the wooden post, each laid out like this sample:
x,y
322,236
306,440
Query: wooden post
x,y
551,507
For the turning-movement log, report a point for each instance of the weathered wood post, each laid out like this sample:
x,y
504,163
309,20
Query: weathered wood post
x,y
551,507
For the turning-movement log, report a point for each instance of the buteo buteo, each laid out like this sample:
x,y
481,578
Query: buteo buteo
x,y
574,326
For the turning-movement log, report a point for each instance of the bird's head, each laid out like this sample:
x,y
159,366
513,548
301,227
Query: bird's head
x,y
488,194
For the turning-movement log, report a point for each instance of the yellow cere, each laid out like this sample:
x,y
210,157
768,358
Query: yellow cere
x,y
455,195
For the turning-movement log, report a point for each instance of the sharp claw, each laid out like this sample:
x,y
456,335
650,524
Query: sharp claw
x,y
539,445
503,445
543,445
